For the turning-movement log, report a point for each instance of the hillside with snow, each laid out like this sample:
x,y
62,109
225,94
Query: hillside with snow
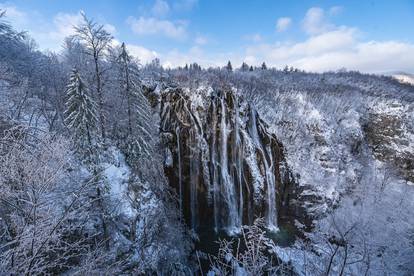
x,y
404,78
111,167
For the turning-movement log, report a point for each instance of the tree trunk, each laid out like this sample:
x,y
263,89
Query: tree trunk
x,y
128,92
100,98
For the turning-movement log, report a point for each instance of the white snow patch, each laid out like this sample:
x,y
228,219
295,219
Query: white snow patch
x,y
117,174
404,78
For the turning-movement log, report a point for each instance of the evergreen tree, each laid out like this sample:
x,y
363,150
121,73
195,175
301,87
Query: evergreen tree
x,y
80,112
244,67
251,69
155,63
195,67
81,119
96,41
229,67
138,110
124,60
264,67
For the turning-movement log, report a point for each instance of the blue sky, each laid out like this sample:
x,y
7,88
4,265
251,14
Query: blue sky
x,y
371,36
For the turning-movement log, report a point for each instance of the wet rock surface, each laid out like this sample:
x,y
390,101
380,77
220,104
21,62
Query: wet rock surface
x,y
226,167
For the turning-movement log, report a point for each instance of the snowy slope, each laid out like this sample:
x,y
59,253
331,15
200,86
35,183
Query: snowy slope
x,y
405,78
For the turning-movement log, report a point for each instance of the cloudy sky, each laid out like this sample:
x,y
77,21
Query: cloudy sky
x,y
370,36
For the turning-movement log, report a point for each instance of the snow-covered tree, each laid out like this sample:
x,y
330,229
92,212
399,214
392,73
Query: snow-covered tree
x,y
43,204
7,30
244,67
137,140
253,255
80,113
229,67
96,41
129,87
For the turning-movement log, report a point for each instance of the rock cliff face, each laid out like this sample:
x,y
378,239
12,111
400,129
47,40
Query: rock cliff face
x,y
389,129
226,167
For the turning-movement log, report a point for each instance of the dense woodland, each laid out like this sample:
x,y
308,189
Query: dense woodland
x,y
84,189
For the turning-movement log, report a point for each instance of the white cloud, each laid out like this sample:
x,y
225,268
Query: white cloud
x,y
64,25
143,54
49,33
315,45
337,49
160,8
154,26
18,18
110,28
51,36
330,47
283,24
373,56
315,21
175,58
250,60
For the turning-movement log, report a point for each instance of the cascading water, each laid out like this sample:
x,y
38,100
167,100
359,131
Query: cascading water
x,y
271,213
180,175
194,173
214,168
226,165
271,216
228,187
237,158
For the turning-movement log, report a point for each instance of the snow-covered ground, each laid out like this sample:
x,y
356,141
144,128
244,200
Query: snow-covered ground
x,y
117,174
405,78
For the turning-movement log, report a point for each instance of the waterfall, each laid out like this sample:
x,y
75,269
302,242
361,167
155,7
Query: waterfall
x,y
214,167
253,128
233,223
194,172
237,162
180,177
225,163
271,213
271,216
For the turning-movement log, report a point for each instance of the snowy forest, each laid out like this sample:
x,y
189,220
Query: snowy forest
x,y
113,167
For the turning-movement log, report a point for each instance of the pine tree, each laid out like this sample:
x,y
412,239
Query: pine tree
x,y
244,67
81,112
264,67
96,41
139,133
125,60
81,119
229,67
